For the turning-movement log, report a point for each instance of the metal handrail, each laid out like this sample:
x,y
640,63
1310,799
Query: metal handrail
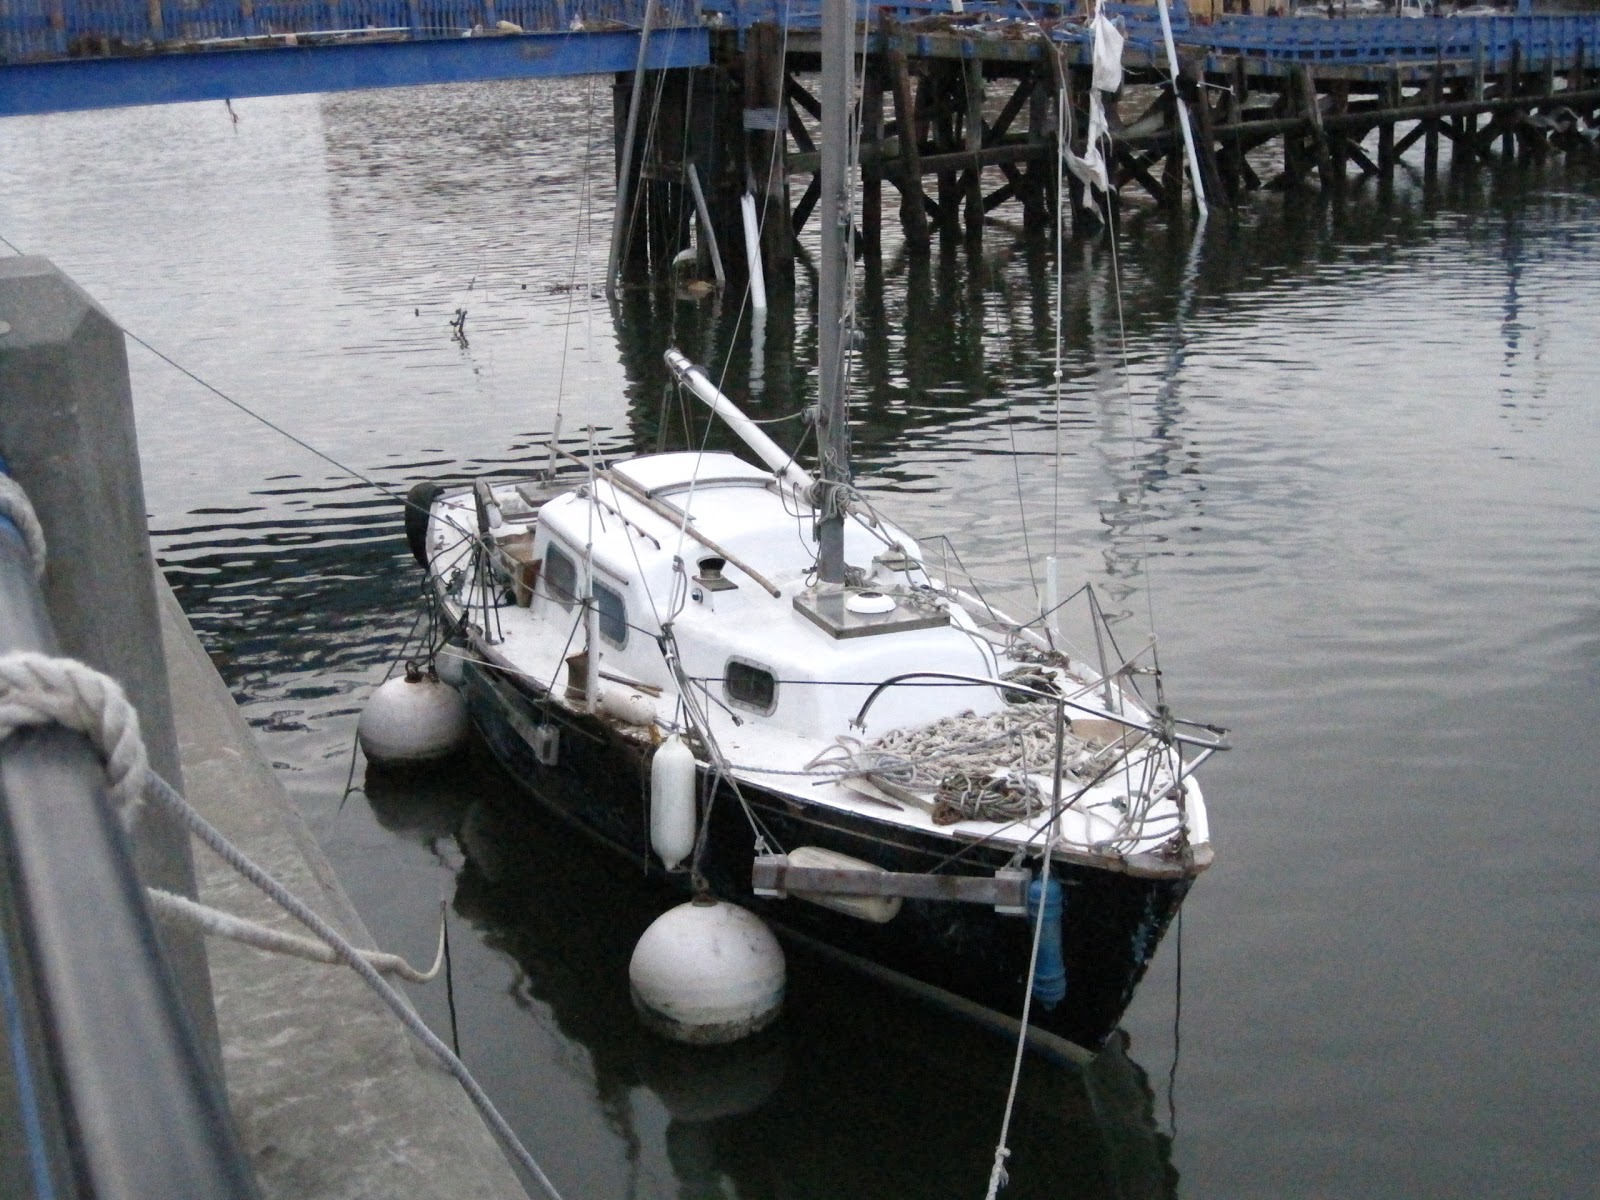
x,y
112,1094
1091,710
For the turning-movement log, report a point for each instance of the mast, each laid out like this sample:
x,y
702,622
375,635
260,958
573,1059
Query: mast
x,y
833,430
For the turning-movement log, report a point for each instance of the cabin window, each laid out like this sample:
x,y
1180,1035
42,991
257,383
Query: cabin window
x,y
613,614
747,685
560,577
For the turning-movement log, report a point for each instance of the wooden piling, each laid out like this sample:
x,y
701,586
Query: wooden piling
x,y
934,104
872,177
766,147
633,257
1469,123
1238,93
1039,203
1313,113
1293,147
1541,142
972,90
1338,139
1512,87
913,211
1386,154
1171,191
1204,129
1464,135
1430,144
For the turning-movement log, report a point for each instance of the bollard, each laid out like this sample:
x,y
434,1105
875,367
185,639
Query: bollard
x,y
67,435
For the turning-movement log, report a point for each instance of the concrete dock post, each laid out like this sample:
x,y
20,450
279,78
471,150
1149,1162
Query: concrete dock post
x,y
67,434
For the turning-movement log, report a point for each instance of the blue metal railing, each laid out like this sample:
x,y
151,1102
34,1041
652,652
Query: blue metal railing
x,y
51,29
807,14
1371,40
1357,40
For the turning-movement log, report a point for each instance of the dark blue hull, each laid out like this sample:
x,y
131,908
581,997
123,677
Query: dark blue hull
x,y
1112,924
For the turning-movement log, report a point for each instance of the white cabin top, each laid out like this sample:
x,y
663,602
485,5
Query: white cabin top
x,y
742,508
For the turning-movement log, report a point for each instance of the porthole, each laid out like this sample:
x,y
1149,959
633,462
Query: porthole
x,y
560,577
613,614
750,686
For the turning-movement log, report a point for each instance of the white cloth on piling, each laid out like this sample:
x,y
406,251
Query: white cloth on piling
x,y
1106,54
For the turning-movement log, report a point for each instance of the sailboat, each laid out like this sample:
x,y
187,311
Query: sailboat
x,y
883,762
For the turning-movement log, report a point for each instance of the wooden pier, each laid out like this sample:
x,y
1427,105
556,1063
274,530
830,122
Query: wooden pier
x,y
958,116
959,106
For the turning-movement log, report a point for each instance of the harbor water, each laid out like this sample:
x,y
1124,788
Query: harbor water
x,y
1341,458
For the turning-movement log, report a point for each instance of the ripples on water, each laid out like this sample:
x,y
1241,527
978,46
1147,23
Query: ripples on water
x,y
1350,470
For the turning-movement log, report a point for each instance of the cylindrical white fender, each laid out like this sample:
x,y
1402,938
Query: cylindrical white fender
x,y
450,662
672,805
627,705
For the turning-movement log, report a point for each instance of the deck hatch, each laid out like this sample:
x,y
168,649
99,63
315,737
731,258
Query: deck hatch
x,y
829,609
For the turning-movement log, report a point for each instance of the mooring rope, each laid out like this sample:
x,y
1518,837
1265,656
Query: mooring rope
x,y
1002,1150
38,690
173,909
352,957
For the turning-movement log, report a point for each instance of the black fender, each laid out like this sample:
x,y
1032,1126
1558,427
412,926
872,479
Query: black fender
x,y
419,504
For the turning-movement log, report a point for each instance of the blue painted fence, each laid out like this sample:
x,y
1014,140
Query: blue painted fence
x,y
1378,40
72,54
1360,41
34,30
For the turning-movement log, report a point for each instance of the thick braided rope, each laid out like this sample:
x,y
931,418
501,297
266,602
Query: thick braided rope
x,y
36,689
185,913
164,794
14,503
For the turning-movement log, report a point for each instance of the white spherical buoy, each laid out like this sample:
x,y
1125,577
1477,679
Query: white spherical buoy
x,y
415,719
672,807
707,972
451,663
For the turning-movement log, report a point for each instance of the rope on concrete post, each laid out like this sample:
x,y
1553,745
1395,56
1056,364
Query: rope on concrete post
x,y
351,957
15,506
36,690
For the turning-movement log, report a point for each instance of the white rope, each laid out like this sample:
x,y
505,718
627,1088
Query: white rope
x,y
36,690
180,911
351,957
1002,1151
14,504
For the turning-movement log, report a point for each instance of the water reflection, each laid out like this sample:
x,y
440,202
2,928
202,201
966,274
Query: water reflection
x,y
1351,461
857,1091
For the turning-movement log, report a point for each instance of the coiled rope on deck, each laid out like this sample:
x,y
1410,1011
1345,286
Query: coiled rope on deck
x,y
976,768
